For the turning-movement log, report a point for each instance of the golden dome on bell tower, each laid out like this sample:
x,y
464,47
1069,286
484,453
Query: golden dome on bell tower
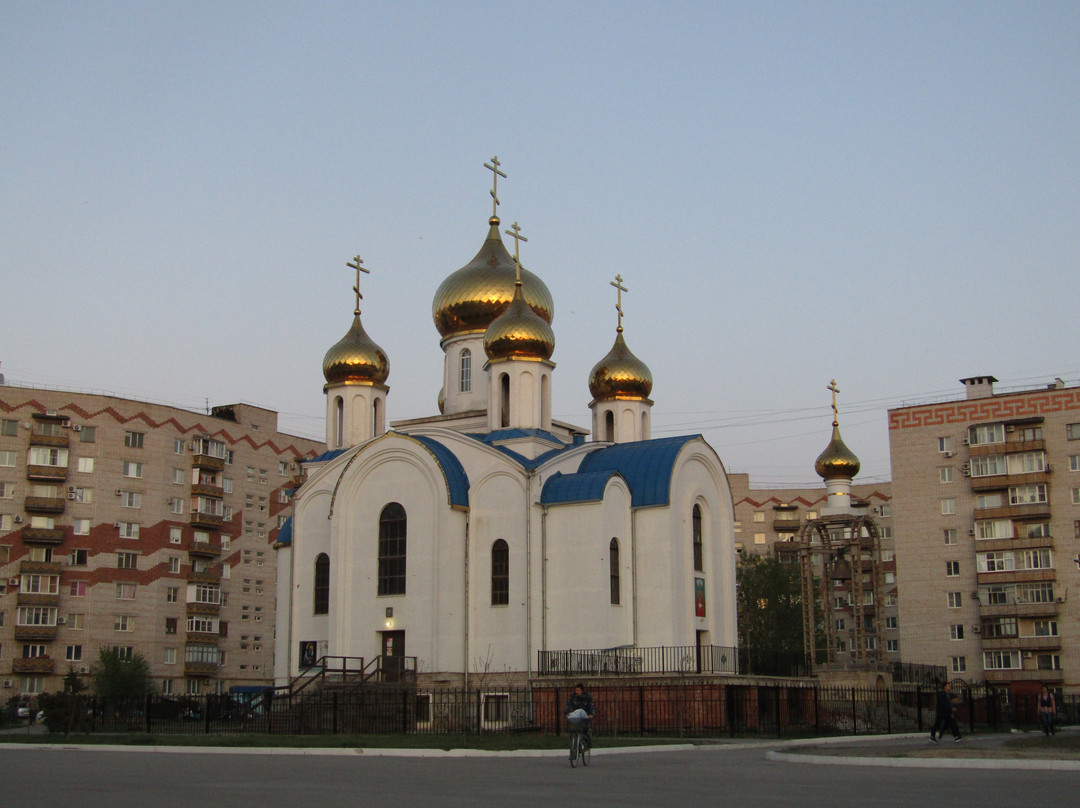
x,y
620,374
837,461
356,357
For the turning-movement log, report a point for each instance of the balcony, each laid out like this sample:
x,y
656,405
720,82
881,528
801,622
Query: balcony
x,y
204,576
996,481
44,504
984,545
46,473
1033,511
35,633
38,439
204,608
36,665
1016,576
205,549
1023,676
199,519
1011,447
40,567
37,599
1019,610
205,461
200,668
781,524
207,490
43,535
202,638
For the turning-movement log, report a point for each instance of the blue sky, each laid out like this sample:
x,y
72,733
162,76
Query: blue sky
x,y
883,193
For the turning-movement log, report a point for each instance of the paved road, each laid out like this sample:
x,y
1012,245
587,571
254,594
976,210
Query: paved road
x,y
679,779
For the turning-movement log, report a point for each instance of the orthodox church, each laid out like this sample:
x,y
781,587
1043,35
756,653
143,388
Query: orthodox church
x,y
473,539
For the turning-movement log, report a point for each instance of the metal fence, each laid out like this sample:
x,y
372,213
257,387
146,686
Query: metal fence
x,y
686,709
632,661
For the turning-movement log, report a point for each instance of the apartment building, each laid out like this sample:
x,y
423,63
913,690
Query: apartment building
x,y
140,527
987,517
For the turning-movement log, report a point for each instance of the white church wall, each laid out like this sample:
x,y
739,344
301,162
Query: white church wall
x,y
310,523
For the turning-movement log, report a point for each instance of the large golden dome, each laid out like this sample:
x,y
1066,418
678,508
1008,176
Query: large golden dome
x,y
837,460
519,332
620,374
356,358
471,298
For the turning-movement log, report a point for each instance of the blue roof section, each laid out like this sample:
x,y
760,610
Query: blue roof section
x,y
646,465
510,434
327,456
457,481
587,487
284,536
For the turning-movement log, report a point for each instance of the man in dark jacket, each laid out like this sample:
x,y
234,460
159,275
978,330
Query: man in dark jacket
x,y
946,704
581,699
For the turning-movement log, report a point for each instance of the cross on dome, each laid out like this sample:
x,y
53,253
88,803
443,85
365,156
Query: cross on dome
x,y
357,264
617,283
493,166
515,233
832,386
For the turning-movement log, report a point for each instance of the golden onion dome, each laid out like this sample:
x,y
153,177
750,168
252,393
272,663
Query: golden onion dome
x,y
356,358
519,332
837,460
620,374
471,298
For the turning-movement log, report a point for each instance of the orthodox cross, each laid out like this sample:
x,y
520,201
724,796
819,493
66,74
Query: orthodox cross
x,y
493,166
357,264
515,233
617,283
832,386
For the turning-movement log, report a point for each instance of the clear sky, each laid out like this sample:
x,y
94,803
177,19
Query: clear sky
x,y
883,193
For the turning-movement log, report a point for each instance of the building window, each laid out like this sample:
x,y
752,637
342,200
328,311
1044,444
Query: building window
x,y
85,465
956,631
948,506
322,584
1074,462
986,433
392,539
465,382
133,469
699,555
1001,660
1072,431
959,664
613,571
133,440
172,594
945,474
945,445
892,646
74,653
125,591
950,535
124,622
171,624
9,427
892,622
759,516
130,499
952,568
1028,494
7,459
80,527
127,561
955,600
500,573
129,530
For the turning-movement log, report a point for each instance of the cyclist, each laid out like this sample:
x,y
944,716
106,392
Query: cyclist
x,y
581,699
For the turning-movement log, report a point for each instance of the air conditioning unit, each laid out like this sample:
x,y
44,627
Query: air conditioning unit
x,y
948,453
18,520
76,427
71,495
1027,654
71,489
14,581
84,669
1049,467
976,629
119,492
1059,600
50,412
971,531
966,442
7,683
965,471
61,621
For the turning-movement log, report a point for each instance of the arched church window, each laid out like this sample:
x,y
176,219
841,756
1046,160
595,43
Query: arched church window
x,y
392,529
613,568
500,573
322,583
504,401
609,426
699,555
465,379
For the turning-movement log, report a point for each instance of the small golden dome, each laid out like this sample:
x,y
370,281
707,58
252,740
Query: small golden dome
x,y
356,358
837,460
471,298
519,331
620,374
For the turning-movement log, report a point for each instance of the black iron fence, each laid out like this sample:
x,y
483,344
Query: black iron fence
x,y
632,660
690,708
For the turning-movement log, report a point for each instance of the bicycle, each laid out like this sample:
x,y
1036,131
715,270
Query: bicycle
x,y
578,747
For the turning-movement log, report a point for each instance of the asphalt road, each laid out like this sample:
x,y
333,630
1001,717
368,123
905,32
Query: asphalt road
x,y
680,779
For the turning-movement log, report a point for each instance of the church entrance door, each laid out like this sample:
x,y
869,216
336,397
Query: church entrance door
x,y
393,653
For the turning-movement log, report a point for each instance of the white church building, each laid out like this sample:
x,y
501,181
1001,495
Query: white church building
x,y
475,538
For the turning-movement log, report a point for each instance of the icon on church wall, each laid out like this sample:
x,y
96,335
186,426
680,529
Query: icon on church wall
x,y
699,597
307,653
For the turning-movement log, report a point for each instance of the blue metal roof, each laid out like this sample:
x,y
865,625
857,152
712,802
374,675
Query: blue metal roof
x,y
587,487
327,456
457,481
284,536
646,465
509,434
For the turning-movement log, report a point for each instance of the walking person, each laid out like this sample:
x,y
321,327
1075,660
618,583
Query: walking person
x,y
945,715
1047,711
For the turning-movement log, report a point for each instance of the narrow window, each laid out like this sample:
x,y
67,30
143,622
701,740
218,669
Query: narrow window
x,y
613,568
699,555
339,421
322,583
504,399
500,573
392,527
465,381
